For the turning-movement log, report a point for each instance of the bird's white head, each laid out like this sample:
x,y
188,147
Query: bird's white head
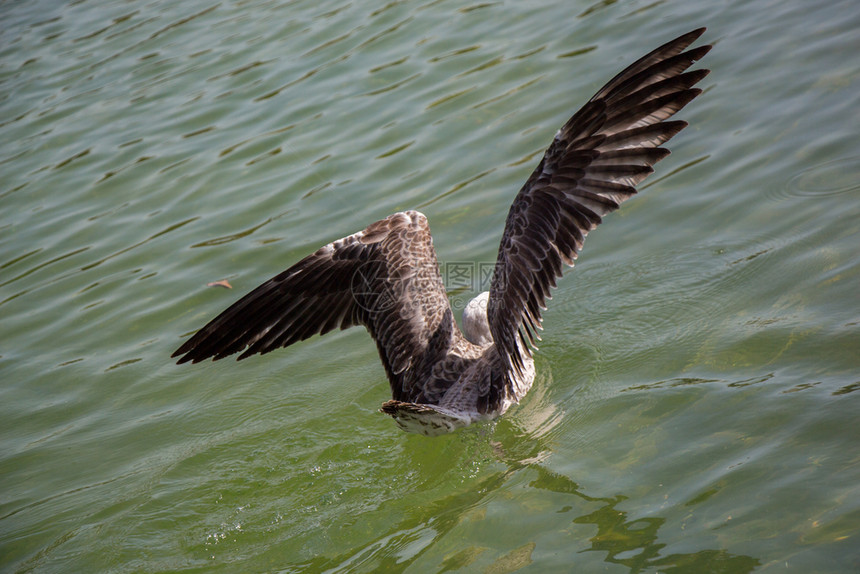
x,y
476,326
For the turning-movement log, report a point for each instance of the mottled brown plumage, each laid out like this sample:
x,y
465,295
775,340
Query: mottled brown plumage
x,y
387,277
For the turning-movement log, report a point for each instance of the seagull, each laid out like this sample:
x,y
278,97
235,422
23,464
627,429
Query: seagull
x,y
387,276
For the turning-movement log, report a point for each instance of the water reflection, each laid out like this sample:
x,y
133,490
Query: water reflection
x,y
631,541
430,536
626,540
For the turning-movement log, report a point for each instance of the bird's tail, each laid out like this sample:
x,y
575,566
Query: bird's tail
x,y
429,420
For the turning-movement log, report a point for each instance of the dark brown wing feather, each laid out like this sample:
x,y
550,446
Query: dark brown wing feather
x,y
385,277
593,165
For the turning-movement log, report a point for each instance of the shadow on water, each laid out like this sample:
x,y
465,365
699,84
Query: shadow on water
x,y
632,542
625,540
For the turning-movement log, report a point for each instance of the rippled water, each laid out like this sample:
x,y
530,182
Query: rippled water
x,y
695,408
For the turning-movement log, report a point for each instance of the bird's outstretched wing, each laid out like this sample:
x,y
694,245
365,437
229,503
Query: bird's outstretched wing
x,y
385,277
593,165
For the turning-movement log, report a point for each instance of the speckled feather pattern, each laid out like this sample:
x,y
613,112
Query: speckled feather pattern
x,y
592,166
387,276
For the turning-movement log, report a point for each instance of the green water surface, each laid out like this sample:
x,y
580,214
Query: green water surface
x,y
696,403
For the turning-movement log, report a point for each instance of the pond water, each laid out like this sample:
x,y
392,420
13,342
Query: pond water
x,y
695,408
